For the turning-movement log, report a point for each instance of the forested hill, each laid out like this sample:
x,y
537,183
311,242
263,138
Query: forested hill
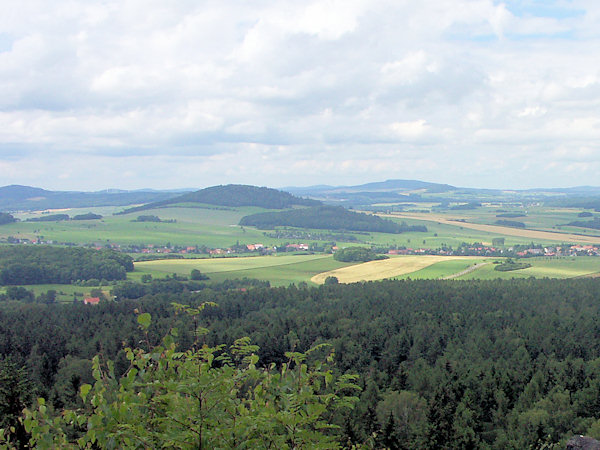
x,y
329,218
17,197
234,195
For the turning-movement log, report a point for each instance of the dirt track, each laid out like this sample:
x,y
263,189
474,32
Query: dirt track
x,y
466,271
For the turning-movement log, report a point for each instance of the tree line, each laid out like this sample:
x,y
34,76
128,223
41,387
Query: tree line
x,y
328,218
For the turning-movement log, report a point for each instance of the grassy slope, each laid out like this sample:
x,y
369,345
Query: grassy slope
x,y
204,225
279,270
389,268
543,267
442,269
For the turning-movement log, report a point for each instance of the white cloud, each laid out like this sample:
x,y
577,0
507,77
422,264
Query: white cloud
x,y
280,93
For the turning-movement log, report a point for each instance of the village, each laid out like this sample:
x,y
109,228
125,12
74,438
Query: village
x,y
152,251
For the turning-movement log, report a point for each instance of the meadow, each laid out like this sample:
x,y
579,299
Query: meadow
x,y
398,266
218,227
279,270
568,267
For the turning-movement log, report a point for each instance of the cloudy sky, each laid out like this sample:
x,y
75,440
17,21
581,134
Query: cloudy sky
x,y
142,93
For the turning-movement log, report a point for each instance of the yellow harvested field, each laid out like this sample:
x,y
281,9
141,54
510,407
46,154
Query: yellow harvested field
x,y
386,268
496,229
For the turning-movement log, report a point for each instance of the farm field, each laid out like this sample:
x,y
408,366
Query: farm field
x,y
217,227
496,230
542,267
447,268
194,225
279,270
395,267
439,267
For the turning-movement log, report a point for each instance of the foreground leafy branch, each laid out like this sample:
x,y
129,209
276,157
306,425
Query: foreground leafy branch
x,y
202,398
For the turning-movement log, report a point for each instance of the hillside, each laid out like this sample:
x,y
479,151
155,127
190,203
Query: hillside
x,y
329,218
415,191
27,198
233,195
380,186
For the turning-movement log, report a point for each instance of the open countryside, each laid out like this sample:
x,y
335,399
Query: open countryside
x,y
471,272
387,268
500,230
278,270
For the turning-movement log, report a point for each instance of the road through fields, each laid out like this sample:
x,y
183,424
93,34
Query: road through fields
x,y
500,230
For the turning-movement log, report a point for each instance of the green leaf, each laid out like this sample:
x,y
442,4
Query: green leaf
x,y
144,320
84,390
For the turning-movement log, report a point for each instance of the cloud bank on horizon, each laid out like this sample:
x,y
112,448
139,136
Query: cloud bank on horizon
x,y
136,93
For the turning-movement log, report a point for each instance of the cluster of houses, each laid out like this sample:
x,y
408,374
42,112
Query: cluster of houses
x,y
249,248
484,250
476,249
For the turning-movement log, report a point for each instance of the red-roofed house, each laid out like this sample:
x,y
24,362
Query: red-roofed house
x,y
91,300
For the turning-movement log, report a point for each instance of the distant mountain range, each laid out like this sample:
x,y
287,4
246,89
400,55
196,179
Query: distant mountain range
x,y
404,186
27,198
15,197
391,191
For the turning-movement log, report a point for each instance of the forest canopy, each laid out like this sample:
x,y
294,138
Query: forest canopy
x,y
593,224
20,264
6,218
510,223
49,218
455,364
358,254
87,216
329,218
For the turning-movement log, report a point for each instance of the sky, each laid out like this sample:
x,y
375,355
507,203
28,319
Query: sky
x,y
136,94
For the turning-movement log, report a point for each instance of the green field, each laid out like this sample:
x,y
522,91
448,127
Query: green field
x,y
535,217
444,269
217,227
543,267
193,226
279,270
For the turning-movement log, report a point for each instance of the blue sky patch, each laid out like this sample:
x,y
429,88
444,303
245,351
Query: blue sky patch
x,y
543,8
6,42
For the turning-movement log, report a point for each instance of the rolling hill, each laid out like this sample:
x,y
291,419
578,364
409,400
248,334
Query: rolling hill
x,y
233,195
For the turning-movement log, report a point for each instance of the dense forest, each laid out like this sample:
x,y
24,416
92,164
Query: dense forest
x,y
6,218
594,223
510,223
442,364
357,254
328,218
233,195
42,264
87,216
49,218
